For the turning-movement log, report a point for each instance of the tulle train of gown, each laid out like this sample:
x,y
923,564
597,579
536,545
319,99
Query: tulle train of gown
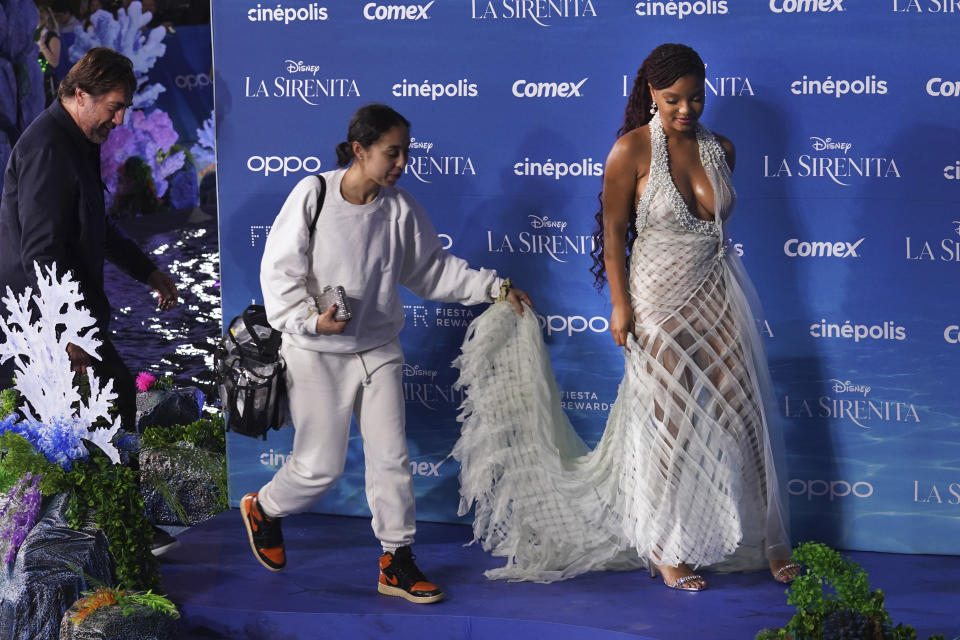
x,y
686,470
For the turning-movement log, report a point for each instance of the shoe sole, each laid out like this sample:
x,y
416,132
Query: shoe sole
x,y
387,590
245,512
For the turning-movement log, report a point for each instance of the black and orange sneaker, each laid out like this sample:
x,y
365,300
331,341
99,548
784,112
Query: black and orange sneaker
x,y
399,576
266,539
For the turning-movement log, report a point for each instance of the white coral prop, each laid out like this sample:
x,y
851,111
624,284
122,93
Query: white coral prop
x,y
124,34
36,338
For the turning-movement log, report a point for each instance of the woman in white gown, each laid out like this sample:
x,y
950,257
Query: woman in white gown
x,y
685,474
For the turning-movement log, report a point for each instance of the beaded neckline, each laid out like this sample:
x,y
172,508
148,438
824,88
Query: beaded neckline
x,y
660,178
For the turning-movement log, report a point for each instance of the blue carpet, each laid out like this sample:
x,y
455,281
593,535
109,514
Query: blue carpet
x,y
329,591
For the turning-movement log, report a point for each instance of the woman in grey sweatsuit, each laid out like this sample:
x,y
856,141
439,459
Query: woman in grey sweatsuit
x,y
370,237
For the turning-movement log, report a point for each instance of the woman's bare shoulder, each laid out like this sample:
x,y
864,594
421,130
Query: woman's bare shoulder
x,y
728,149
632,149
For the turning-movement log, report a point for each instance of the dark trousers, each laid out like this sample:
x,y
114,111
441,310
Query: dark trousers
x,y
109,366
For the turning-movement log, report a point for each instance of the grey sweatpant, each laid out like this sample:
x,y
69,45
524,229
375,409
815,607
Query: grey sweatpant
x,y
324,390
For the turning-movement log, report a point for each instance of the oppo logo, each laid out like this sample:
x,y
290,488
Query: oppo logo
x,y
830,489
286,164
938,87
796,248
374,11
952,334
805,6
192,81
572,324
527,89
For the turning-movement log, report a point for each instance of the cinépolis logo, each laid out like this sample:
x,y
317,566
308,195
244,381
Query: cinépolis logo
x,y
946,249
426,167
583,168
868,85
833,162
282,14
433,90
544,13
682,9
548,237
847,330
311,90
850,401
952,171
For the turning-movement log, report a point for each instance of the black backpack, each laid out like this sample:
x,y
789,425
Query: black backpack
x,y
249,369
250,374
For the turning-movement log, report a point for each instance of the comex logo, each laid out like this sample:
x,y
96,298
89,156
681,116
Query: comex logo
x,y
794,247
374,11
529,89
286,164
952,334
940,88
806,6
192,81
830,489
425,468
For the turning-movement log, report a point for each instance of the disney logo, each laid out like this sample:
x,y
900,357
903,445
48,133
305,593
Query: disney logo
x,y
544,222
845,386
824,144
414,371
420,144
297,66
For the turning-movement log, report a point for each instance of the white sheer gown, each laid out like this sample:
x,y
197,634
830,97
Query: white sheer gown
x,y
686,470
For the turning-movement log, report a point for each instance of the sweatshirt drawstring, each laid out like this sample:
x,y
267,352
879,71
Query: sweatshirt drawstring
x,y
366,374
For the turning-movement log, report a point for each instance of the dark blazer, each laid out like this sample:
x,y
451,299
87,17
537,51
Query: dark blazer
x,y
52,210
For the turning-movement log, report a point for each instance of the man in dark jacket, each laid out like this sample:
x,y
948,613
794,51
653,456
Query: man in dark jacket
x,y
52,209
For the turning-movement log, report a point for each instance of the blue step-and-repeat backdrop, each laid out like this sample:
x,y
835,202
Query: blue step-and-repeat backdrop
x,y
844,114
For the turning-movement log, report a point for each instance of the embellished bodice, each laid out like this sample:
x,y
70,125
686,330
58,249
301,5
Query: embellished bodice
x,y
662,207
675,252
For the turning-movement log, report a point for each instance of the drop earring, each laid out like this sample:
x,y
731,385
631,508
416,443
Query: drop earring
x,y
653,109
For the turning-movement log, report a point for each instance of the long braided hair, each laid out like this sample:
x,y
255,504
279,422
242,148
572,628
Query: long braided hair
x,y
665,65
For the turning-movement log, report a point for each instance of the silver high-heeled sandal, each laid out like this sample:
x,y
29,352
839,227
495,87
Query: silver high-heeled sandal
x,y
780,575
679,583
